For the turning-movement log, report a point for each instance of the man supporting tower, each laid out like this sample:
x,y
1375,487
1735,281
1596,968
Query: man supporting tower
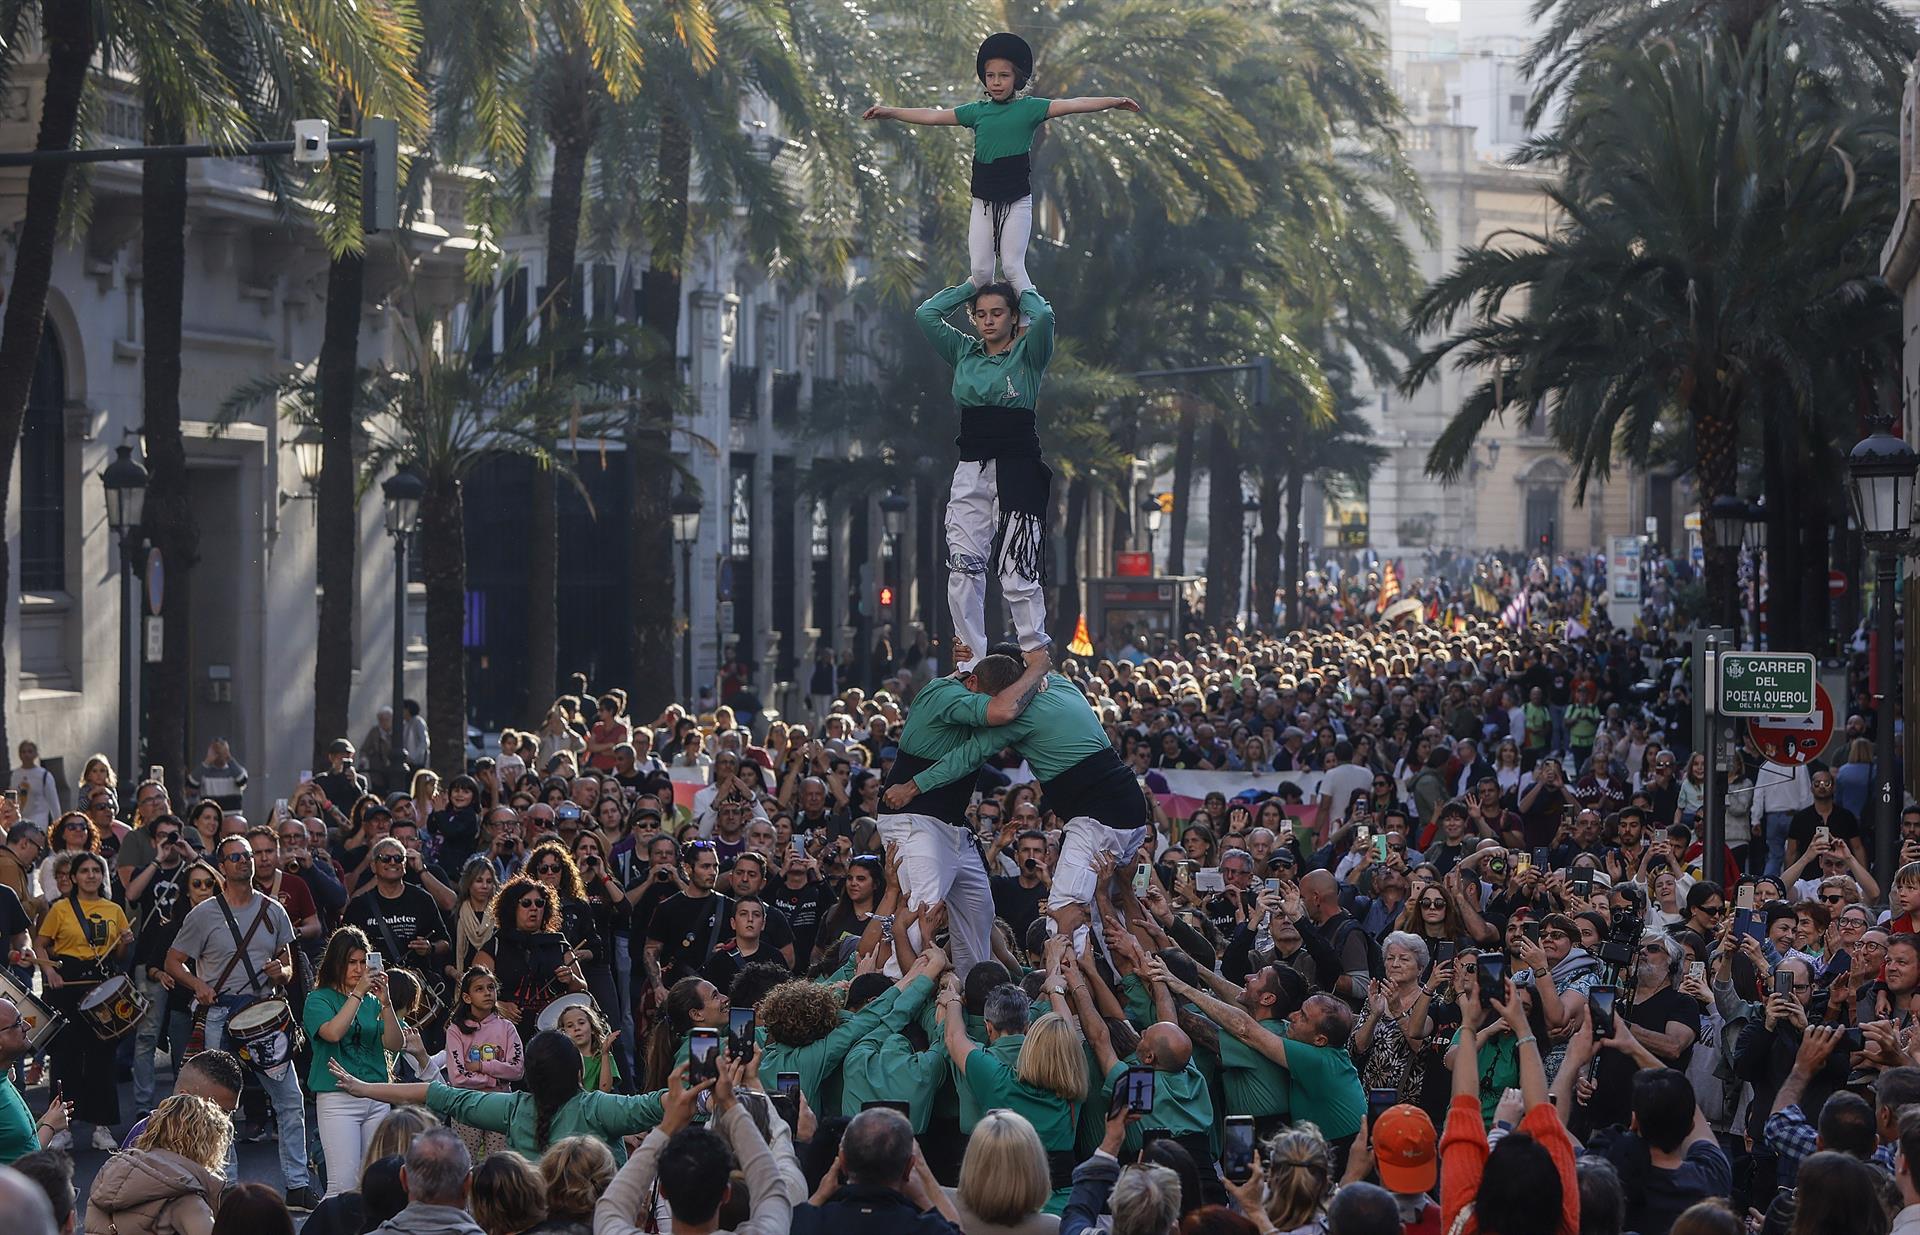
x,y
1084,780
951,729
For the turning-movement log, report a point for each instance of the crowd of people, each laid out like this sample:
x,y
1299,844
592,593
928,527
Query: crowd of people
x,y
1445,908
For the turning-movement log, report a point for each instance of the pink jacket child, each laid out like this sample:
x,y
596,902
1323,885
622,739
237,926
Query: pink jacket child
x,y
484,1057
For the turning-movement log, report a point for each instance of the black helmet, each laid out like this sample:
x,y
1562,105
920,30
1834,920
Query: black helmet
x,y
1009,47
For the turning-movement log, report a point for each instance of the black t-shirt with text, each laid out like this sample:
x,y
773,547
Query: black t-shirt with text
x,y
408,916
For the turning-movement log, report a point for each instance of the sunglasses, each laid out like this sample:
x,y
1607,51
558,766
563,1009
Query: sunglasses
x,y
387,859
533,902
1832,900
237,857
547,868
1428,902
166,838
200,885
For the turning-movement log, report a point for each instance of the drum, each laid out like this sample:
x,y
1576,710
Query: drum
x,y
42,1021
113,1009
264,1033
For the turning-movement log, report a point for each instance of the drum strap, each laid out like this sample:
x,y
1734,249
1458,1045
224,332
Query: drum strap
x,y
379,920
240,944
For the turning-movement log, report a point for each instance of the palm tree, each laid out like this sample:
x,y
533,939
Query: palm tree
x,y
441,414
1720,210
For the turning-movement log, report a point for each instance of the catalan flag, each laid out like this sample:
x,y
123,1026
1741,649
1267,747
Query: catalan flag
x,y
1389,587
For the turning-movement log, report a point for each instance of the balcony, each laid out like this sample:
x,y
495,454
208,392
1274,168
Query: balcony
x,y
743,391
786,398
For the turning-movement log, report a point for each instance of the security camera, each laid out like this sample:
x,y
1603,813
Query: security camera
x,y
310,141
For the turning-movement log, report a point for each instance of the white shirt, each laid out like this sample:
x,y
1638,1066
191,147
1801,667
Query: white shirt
x,y
38,793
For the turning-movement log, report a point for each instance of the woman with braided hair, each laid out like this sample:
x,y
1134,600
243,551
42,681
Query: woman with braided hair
x,y
552,1106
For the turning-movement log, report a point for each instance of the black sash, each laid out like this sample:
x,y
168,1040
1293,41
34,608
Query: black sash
x,y
1003,181
948,803
1060,1163
1023,483
1099,787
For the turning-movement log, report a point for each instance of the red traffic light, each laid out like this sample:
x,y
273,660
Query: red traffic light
x,y
886,597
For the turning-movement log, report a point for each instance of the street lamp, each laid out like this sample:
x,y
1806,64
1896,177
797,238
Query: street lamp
x,y
1882,468
893,510
126,484
402,492
1728,514
309,452
1249,510
685,512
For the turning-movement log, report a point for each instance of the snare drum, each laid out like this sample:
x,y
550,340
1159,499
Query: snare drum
x,y
42,1022
113,1009
264,1033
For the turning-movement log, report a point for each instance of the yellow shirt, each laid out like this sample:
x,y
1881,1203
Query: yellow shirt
x,y
69,937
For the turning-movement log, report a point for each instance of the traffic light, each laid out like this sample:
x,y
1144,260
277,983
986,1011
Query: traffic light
x,y
886,598
1166,502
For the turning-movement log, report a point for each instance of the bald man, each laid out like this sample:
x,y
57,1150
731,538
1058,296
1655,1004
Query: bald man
x,y
1360,960
1182,1103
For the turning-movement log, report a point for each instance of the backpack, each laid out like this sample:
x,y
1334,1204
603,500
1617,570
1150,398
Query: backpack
x,y
1376,960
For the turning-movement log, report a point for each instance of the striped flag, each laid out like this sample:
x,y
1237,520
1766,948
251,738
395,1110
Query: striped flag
x,y
1389,587
1515,614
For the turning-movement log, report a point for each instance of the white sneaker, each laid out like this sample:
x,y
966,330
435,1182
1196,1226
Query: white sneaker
x,y
103,1138
63,1139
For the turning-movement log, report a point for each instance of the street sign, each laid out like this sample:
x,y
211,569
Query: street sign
x,y
1836,583
1766,684
1794,739
1133,564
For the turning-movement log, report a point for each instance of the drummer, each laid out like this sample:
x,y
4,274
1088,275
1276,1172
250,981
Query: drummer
x,y
83,940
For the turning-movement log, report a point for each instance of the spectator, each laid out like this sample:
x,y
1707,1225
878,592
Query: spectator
x,y
53,1171
25,1202
351,1213
577,1171
1004,1181
171,1180
1364,1209
509,1195
1670,1159
438,1177
879,1185
252,1209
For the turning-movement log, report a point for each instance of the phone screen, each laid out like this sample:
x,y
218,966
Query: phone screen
x,y
740,1032
1600,1002
703,1055
1236,1149
786,1084
1140,1090
1378,1101
1492,975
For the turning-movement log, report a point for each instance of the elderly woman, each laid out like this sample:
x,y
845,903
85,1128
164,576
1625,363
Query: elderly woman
x,y
1388,1042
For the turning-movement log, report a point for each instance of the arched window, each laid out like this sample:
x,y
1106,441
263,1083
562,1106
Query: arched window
x,y
43,474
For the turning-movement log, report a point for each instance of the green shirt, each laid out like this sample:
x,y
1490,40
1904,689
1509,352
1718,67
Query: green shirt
x,y
1010,379
1181,1103
992,1077
1583,721
818,1063
360,1051
1323,1089
1058,730
608,1116
1001,130
883,1066
590,1070
1254,1085
17,1135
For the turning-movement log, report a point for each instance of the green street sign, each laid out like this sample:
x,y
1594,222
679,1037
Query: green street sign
x,y
1766,683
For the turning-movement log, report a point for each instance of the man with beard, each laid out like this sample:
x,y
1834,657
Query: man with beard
x,y
1826,813
402,922
1251,1083
1665,1021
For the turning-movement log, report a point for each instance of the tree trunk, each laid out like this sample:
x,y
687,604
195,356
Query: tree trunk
x,y
1266,550
169,521
337,545
1067,597
444,567
1183,443
1224,526
1716,438
1296,479
573,120
650,563
70,37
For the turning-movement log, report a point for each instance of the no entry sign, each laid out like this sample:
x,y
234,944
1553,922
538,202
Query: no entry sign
x,y
1794,739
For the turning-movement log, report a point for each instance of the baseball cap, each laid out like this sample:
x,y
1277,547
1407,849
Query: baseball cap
x,y
1406,1149
340,746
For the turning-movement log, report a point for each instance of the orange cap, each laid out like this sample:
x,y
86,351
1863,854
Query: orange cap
x,y
1406,1149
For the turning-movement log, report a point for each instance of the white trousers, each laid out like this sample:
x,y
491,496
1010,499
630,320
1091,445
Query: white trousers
x,y
1014,235
1086,838
938,862
346,1125
973,516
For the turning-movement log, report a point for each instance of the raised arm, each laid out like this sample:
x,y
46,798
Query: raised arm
x,y
916,115
932,319
1234,1020
1038,334
1088,103
1007,706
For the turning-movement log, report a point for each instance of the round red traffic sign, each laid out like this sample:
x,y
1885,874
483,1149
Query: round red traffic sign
x,y
1836,583
1794,739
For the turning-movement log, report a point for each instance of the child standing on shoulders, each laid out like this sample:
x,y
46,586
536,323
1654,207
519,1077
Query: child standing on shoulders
x,y
483,1052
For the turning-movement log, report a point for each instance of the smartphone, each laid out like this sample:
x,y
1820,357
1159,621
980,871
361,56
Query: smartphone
x,y
1444,956
1783,983
1697,970
740,1033
1142,879
1583,883
1853,1040
1363,834
1522,861
158,773
1747,922
1540,858
376,962
1600,1003
889,1104
306,774
1140,1088
1531,930
1236,1149
703,1055
1378,1103
1491,972
786,1084
280,808
1822,837
1743,899
1273,886
1380,848
786,1096
1360,804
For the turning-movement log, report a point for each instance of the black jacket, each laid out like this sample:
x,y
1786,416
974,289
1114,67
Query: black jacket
x,y
858,1210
